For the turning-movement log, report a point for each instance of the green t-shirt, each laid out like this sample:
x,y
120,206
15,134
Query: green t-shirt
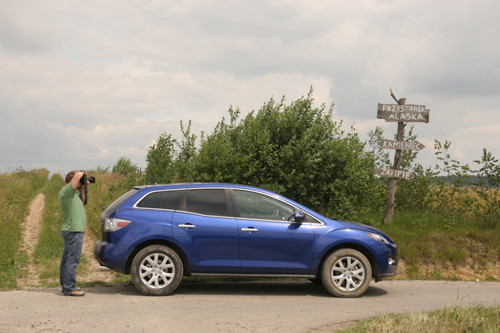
x,y
74,216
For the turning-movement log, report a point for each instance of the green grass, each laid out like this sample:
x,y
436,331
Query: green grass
x,y
17,190
477,319
431,249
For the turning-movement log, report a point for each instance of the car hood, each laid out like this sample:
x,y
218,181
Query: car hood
x,y
356,225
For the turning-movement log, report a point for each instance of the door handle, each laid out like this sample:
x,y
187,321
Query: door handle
x,y
187,226
250,229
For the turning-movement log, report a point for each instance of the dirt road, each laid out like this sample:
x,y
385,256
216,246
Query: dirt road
x,y
271,306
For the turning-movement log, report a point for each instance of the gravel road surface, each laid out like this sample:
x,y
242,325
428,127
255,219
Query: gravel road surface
x,y
269,306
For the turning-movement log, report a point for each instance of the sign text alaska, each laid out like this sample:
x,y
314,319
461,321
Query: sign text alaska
x,y
405,113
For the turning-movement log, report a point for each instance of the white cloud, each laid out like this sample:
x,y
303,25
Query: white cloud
x,y
84,83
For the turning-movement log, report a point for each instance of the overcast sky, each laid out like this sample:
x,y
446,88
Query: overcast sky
x,y
83,83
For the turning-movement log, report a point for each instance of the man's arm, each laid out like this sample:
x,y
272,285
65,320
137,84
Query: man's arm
x,y
75,182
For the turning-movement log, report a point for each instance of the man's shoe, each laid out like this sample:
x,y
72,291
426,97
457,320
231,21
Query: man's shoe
x,y
77,289
74,293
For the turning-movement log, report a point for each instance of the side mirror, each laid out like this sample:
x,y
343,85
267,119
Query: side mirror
x,y
299,216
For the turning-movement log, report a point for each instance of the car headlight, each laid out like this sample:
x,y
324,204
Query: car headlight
x,y
378,238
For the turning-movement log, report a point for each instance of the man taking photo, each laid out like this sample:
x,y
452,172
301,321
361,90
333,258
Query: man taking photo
x,y
72,231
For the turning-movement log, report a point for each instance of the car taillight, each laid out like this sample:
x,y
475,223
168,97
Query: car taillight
x,y
113,224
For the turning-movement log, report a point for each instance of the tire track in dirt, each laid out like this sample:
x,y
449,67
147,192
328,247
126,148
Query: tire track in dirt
x,y
31,229
30,233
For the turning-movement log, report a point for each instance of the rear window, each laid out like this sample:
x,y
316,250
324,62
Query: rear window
x,y
162,200
119,201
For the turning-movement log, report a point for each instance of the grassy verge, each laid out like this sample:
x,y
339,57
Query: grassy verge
x,y
457,319
433,248
17,190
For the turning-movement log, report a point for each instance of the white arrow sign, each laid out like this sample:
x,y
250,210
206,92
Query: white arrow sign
x,y
401,145
391,173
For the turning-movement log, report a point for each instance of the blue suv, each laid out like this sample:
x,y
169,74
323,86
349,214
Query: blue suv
x,y
160,233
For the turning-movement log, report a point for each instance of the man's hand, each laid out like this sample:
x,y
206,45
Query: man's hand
x,y
75,182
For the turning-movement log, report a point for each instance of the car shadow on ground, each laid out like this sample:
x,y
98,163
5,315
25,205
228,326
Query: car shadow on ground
x,y
237,288
263,288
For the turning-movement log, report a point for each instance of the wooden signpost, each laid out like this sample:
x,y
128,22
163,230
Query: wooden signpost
x,y
402,114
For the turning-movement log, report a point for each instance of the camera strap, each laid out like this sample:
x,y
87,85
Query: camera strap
x,y
83,190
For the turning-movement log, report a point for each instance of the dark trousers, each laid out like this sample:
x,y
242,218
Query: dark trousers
x,y
73,243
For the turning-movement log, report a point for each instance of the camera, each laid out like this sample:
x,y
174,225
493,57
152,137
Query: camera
x,y
84,179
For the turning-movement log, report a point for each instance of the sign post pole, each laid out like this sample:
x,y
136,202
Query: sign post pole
x,y
401,113
389,211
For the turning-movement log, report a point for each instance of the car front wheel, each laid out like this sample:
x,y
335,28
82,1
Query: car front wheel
x,y
156,270
346,273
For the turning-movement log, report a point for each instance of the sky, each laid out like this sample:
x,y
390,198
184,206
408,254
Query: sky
x,y
84,83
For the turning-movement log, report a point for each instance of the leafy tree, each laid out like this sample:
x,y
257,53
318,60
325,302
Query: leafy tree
x,y
182,167
408,157
129,173
380,156
297,150
451,195
160,160
488,208
413,194
416,194
124,166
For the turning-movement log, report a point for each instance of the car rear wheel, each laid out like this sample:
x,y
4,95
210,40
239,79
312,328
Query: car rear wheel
x,y
346,273
156,270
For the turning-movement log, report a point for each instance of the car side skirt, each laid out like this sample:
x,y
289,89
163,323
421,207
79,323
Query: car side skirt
x,y
306,276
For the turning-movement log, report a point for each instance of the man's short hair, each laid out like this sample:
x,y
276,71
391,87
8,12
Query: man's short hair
x,y
70,176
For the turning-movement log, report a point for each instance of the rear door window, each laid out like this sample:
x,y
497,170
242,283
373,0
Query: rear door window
x,y
207,202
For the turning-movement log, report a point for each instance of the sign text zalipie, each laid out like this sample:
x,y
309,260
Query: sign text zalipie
x,y
391,173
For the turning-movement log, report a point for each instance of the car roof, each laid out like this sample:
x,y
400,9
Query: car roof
x,y
158,187
198,185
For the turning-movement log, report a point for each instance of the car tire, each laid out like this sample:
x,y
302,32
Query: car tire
x,y
346,273
156,270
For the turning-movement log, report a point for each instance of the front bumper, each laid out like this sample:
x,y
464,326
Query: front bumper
x,y
391,267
